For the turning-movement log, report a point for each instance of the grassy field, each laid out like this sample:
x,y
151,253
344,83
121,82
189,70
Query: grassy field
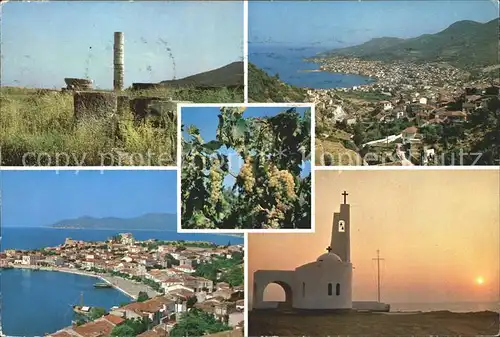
x,y
38,128
334,153
440,323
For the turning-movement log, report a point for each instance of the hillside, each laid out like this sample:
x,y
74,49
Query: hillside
x,y
467,44
264,88
229,76
157,221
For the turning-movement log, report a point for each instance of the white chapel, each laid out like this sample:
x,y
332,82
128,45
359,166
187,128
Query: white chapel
x,y
322,284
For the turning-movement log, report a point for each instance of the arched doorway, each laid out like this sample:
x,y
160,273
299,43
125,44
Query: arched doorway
x,y
276,294
279,292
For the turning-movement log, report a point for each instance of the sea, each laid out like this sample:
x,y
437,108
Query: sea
x,y
441,306
447,306
288,62
34,303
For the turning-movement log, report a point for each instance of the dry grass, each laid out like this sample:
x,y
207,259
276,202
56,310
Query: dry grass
x,y
39,128
444,323
336,153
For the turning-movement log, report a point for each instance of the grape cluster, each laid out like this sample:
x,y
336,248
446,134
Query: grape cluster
x,y
246,175
282,181
216,178
273,224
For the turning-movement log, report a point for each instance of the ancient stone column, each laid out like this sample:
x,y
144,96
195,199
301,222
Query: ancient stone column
x,y
118,62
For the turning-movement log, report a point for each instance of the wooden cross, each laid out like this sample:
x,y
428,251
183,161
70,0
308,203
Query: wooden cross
x,y
329,249
378,259
345,194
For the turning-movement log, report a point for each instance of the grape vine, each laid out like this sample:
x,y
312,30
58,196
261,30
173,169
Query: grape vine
x,y
268,191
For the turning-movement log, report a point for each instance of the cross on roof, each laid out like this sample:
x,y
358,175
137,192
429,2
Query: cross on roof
x,y
345,194
329,249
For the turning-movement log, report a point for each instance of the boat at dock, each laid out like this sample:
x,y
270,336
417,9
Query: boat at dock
x,y
102,285
81,309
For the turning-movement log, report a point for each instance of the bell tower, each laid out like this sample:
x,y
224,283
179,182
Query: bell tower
x,y
341,231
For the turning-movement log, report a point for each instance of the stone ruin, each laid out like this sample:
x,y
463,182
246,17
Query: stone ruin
x,y
97,104
146,86
78,84
94,104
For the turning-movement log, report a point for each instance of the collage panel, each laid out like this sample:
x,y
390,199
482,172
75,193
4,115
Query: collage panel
x,y
394,82
246,167
161,159
395,253
96,253
98,84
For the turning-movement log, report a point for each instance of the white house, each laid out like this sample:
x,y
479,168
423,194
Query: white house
x,y
322,284
386,105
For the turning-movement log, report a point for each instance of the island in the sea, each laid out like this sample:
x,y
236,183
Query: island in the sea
x,y
173,283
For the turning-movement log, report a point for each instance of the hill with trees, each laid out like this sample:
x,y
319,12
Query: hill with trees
x,y
264,88
465,44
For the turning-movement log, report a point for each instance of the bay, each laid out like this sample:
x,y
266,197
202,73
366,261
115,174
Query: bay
x,y
44,298
288,62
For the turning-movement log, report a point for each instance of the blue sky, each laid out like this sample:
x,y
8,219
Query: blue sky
x,y
41,198
339,24
44,42
205,118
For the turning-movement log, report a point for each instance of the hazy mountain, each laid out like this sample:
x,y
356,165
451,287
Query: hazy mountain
x,y
229,76
464,44
156,221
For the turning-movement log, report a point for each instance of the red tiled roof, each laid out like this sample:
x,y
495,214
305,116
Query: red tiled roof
x,y
149,306
411,129
99,328
114,319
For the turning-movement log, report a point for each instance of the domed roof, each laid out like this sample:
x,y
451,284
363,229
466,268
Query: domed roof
x,y
330,257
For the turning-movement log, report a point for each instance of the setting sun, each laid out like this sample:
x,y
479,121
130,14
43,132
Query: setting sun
x,y
479,280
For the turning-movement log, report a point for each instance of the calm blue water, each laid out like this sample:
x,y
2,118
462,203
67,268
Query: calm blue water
x,y
289,63
46,297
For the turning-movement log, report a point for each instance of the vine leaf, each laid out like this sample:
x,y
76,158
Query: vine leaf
x,y
238,131
212,145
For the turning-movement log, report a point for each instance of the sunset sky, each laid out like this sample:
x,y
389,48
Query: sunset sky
x,y
437,230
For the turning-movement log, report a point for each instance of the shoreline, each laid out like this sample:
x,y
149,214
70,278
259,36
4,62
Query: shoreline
x,y
322,67
241,236
104,278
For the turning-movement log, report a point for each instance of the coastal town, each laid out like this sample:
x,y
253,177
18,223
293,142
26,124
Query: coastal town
x,y
409,114
178,288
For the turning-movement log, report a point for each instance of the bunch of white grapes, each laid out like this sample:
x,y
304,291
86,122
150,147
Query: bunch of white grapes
x,y
282,181
216,178
247,176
